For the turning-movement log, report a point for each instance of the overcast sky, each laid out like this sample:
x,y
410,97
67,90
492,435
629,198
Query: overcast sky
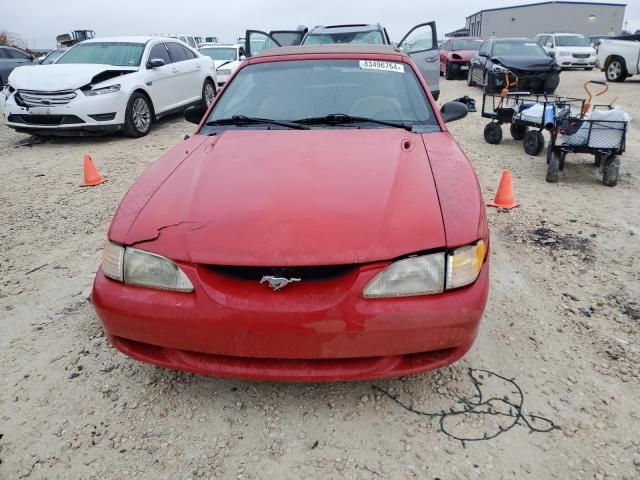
x,y
39,21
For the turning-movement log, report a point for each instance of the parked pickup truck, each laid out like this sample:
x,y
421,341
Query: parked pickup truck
x,y
619,58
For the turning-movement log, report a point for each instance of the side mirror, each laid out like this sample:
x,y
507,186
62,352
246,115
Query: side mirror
x,y
452,111
483,54
195,113
155,63
552,54
242,58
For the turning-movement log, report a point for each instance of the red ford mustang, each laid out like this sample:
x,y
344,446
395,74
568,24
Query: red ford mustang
x,y
322,224
455,56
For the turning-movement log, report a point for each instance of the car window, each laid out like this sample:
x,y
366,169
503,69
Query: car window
x,y
292,90
189,53
121,54
466,44
549,42
17,55
373,38
177,52
572,41
217,53
3,53
160,51
419,40
518,49
485,48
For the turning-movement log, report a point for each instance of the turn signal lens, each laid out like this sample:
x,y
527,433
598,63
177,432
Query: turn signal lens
x,y
113,261
464,265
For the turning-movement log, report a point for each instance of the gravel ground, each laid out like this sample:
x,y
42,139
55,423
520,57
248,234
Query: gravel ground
x,y
562,321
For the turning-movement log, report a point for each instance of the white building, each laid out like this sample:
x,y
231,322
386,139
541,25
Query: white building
x,y
587,18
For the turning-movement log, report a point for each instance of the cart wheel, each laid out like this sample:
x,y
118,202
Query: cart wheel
x,y
553,167
493,133
533,142
518,131
562,158
611,168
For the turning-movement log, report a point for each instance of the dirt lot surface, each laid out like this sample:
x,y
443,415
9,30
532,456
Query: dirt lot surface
x,y
563,320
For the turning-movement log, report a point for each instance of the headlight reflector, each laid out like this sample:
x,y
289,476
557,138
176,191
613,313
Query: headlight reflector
x,y
143,269
422,275
102,91
464,265
498,69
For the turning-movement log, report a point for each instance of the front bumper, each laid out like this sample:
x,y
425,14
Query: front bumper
x,y
573,62
99,114
239,328
539,82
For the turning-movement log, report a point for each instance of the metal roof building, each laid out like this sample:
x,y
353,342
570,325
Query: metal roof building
x,y
587,18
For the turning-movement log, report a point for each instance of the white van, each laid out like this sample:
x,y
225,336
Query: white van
x,y
571,50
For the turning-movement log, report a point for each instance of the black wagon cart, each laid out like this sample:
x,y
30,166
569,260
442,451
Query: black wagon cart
x,y
527,115
601,133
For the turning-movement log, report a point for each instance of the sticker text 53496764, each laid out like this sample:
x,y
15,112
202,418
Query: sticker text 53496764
x,y
385,66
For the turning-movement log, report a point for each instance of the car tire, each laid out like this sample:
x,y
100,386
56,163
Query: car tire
x,y
553,166
448,73
615,70
486,83
138,116
493,133
518,131
470,81
208,92
598,159
533,142
611,169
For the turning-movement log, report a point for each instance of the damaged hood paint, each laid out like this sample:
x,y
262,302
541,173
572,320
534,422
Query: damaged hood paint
x,y
52,78
286,197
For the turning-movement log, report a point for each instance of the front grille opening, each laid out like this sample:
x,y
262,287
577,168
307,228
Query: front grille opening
x,y
307,274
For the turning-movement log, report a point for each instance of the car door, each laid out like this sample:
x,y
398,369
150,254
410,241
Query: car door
x,y
479,61
256,41
186,73
11,58
162,83
421,44
196,70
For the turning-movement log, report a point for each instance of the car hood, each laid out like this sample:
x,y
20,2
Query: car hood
x,y
465,54
526,63
292,198
61,76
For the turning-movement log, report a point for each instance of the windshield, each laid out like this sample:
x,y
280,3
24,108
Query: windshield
x,y
572,41
374,37
295,90
119,54
518,49
220,53
466,44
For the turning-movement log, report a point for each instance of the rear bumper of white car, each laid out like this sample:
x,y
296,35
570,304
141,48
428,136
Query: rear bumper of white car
x,y
57,113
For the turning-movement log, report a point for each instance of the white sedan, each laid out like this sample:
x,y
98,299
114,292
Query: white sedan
x,y
108,84
227,59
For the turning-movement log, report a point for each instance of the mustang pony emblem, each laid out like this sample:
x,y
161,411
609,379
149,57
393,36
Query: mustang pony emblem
x,y
278,283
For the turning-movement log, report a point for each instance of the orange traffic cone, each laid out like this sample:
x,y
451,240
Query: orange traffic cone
x,y
91,175
504,197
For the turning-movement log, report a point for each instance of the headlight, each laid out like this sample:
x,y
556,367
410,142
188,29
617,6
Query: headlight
x,y
425,275
464,265
102,91
409,277
143,269
498,69
565,54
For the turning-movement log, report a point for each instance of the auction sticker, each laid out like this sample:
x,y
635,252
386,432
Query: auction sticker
x,y
385,66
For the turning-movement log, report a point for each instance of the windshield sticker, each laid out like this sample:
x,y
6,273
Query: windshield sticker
x,y
384,66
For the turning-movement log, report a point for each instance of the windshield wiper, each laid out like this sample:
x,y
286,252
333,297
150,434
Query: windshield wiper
x,y
341,118
244,120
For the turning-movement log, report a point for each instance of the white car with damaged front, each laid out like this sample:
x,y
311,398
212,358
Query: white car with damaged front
x,y
227,58
109,84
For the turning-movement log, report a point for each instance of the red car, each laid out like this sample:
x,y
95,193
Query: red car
x,y
321,225
455,56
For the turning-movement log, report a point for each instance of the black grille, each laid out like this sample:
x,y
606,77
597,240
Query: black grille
x,y
48,120
314,273
581,55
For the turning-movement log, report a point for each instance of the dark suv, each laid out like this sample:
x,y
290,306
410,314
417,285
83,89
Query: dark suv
x,y
11,58
420,43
